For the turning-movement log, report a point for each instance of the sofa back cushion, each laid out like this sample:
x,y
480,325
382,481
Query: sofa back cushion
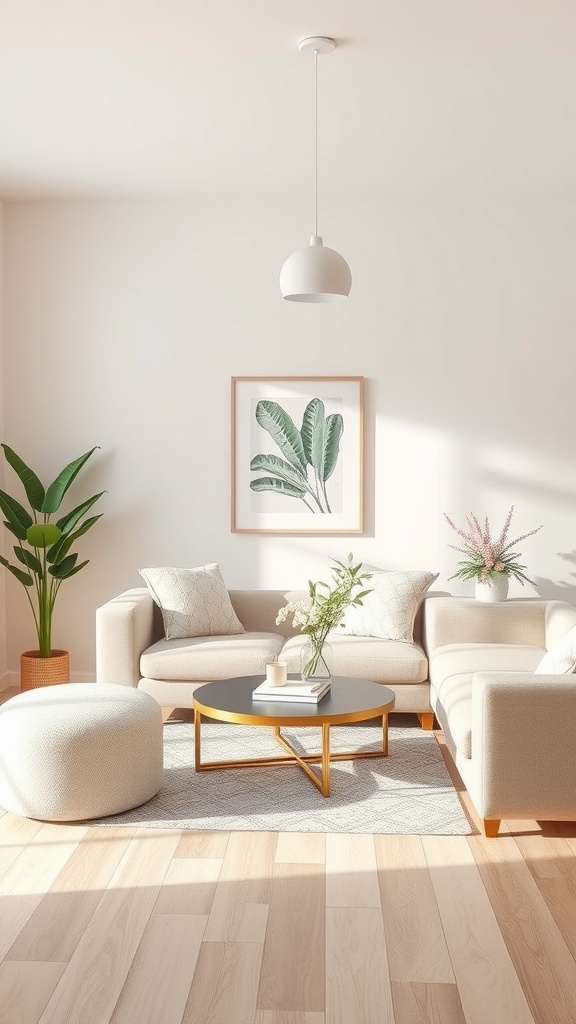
x,y
389,610
463,620
258,609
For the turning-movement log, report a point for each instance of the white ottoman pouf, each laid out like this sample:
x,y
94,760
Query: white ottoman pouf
x,y
77,751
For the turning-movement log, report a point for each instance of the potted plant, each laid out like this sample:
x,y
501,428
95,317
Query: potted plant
x,y
489,560
43,549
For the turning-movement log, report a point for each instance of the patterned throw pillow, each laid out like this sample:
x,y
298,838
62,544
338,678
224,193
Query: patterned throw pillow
x,y
561,658
390,609
194,602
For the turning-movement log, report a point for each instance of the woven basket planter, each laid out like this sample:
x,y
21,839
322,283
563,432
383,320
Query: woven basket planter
x,y
37,671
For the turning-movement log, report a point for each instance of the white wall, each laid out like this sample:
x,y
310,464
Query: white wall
x,y
125,322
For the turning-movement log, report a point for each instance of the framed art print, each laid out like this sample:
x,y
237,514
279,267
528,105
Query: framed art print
x,y
297,454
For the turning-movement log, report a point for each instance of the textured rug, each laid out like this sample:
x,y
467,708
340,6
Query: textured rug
x,y
409,792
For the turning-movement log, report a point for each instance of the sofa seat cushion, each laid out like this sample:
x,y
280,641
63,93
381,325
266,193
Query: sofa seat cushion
x,y
366,657
210,657
451,671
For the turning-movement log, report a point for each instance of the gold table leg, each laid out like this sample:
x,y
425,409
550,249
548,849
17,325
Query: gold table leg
x,y
324,759
322,781
325,775
197,721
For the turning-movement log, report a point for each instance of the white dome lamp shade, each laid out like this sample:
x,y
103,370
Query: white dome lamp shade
x,y
315,273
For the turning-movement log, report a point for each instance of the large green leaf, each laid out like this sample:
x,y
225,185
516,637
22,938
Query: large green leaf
x,y
32,485
62,547
63,569
334,431
267,483
314,435
21,576
29,560
68,522
282,430
279,467
60,485
18,518
42,535
60,572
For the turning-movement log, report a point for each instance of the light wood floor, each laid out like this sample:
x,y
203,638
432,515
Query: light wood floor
x,y
135,926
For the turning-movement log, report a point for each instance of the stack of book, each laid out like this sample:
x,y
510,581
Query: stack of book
x,y
294,691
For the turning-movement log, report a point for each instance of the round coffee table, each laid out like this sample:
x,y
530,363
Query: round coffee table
x,y
349,700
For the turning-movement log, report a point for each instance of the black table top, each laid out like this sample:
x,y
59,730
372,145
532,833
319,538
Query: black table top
x,y
348,700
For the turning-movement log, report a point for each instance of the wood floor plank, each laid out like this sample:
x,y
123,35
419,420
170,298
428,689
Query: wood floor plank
x,y
189,886
159,980
24,885
351,873
202,844
571,843
417,1003
552,864
293,966
243,888
25,988
91,984
16,833
487,982
301,848
357,981
417,950
539,952
290,1017
547,857
56,926
225,984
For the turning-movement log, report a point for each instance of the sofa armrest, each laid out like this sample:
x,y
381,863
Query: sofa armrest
x,y
523,745
463,620
124,629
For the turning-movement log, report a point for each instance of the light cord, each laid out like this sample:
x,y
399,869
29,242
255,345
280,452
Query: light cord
x,y
316,142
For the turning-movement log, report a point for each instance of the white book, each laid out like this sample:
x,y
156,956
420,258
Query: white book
x,y
292,692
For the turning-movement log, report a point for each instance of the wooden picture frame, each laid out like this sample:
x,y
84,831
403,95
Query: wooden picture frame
x,y
297,455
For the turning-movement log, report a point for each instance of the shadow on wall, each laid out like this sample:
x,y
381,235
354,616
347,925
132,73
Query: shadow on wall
x,y
561,591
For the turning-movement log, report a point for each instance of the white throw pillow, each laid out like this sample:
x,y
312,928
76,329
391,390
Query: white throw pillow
x,y
390,609
194,602
561,658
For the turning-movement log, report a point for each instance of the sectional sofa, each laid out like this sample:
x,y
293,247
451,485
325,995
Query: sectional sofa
x,y
509,728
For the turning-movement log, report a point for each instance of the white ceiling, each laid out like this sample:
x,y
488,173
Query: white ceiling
x,y
197,97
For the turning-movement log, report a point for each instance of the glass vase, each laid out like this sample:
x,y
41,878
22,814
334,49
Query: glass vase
x,y
316,661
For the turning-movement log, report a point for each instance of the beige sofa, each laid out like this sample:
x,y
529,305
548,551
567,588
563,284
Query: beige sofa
x,y
131,649
511,732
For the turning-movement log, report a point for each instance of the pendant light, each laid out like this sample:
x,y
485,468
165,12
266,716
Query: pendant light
x,y
315,273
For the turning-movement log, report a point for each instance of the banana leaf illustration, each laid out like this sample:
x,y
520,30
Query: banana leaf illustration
x,y
315,446
282,430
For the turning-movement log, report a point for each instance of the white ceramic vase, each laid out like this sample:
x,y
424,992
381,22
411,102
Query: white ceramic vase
x,y
493,590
